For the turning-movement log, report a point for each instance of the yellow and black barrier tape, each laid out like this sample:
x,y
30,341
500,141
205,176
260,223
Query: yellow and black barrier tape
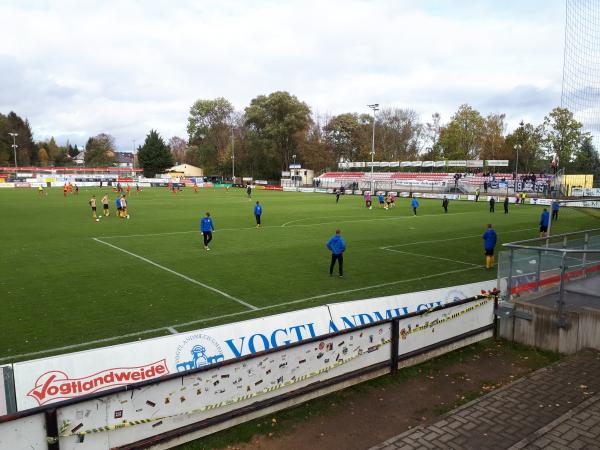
x,y
65,432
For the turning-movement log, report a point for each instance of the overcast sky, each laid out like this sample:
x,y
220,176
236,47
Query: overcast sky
x,y
79,68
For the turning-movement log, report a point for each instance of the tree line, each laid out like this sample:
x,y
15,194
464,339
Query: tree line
x,y
276,129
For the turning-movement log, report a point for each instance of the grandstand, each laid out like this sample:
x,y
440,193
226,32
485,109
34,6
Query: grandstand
x,y
499,183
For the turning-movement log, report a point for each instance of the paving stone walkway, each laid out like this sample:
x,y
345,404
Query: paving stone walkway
x,y
557,407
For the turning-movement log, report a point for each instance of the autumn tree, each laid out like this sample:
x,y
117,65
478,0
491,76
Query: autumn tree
x,y
398,134
178,147
100,151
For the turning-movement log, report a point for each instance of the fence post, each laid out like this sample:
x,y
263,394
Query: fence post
x,y
394,346
539,269
496,318
561,301
584,257
52,429
509,278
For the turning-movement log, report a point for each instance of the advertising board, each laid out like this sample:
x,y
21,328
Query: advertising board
x,y
48,380
350,314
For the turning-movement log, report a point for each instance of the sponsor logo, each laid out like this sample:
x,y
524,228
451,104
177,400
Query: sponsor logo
x,y
56,385
196,351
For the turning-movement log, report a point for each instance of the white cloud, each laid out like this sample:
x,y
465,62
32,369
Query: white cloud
x,y
79,68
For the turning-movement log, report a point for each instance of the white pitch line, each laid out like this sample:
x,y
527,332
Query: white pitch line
x,y
431,257
191,280
451,239
172,330
292,226
224,316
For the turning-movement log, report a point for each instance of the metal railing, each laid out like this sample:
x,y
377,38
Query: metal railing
x,y
533,264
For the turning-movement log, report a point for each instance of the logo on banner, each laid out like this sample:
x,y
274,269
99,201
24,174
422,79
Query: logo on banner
x,y
56,385
196,351
455,295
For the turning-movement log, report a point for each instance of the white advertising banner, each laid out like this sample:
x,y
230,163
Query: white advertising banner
x,y
475,163
440,164
428,163
48,380
395,164
437,326
457,163
351,314
497,163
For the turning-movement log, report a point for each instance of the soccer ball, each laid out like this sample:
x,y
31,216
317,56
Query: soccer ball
x,y
97,220
128,216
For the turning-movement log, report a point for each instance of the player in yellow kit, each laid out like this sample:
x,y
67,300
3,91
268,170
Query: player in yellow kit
x,y
105,211
124,212
92,203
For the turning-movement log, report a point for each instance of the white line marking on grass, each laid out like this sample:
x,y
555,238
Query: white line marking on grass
x,y
172,330
191,280
285,225
224,316
451,239
431,257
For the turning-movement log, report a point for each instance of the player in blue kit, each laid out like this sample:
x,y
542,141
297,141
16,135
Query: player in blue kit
x,y
206,228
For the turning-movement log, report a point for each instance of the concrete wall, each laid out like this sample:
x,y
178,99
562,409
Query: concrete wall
x,y
542,331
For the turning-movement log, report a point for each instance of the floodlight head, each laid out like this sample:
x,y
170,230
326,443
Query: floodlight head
x,y
374,106
14,134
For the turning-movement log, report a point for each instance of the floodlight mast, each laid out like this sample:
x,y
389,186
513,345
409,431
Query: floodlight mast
x,y
374,107
14,146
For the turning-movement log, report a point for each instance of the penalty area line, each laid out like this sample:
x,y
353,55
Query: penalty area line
x,y
171,328
431,257
180,275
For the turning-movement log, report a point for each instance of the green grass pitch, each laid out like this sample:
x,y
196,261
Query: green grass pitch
x,y
150,275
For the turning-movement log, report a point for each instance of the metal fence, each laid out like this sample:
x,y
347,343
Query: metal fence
x,y
532,265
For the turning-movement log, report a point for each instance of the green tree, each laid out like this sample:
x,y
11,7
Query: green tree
x,y
72,150
279,121
5,142
344,136
154,156
586,160
562,135
27,150
462,137
527,138
100,151
209,130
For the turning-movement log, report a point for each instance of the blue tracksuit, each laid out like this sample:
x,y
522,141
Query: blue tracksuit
x,y
206,224
118,202
414,203
257,210
555,206
336,245
545,219
489,239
